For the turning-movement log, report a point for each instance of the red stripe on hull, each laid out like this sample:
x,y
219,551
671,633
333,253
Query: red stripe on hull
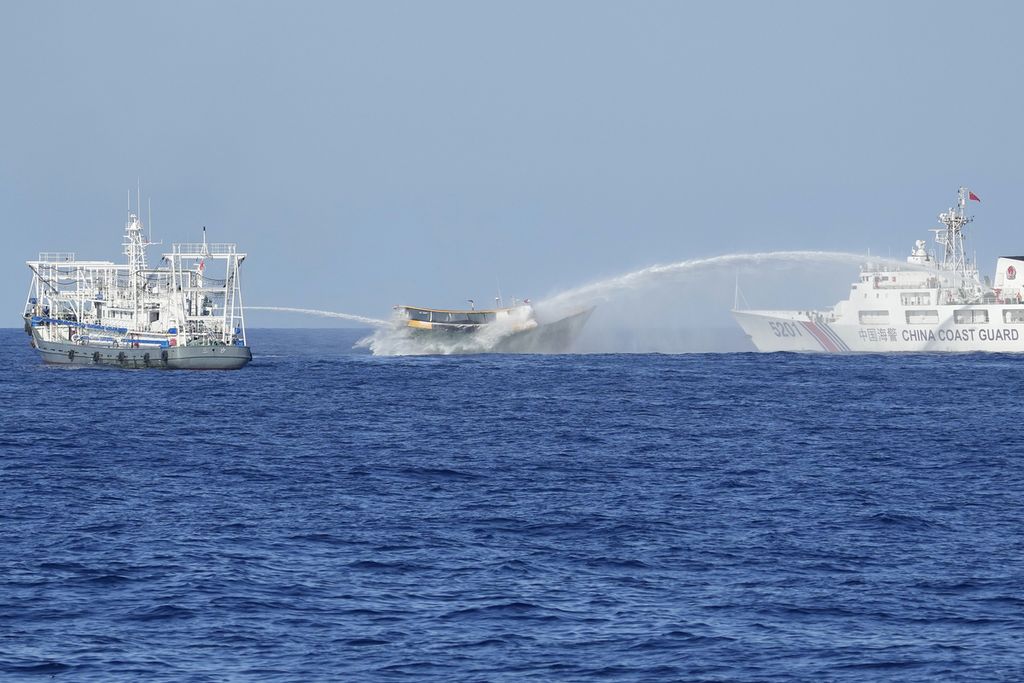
x,y
822,338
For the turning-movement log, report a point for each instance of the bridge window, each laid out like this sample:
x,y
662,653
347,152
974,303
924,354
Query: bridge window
x,y
874,317
970,317
423,316
922,317
1014,316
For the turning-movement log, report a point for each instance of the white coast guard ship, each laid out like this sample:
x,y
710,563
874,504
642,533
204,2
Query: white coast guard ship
x,y
926,305
186,314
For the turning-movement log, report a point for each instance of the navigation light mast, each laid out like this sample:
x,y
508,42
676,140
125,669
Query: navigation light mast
x,y
954,220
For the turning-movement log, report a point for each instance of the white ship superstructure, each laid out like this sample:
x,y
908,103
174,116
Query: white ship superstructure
x,y
930,304
185,313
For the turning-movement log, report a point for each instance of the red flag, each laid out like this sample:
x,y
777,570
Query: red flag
x,y
973,197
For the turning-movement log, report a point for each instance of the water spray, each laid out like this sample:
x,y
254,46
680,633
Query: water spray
x,y
395,339
376,322
599,291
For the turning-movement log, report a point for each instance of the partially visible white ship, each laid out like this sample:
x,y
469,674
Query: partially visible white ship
x,y
185,314
927,305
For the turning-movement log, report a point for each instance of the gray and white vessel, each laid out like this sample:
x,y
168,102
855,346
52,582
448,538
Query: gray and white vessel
x,y
185,313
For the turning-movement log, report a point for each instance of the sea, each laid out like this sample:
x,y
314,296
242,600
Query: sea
x,y
329,515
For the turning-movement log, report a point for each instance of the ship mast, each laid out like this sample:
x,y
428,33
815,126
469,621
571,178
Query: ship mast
x,y
954,257
952,238
135,250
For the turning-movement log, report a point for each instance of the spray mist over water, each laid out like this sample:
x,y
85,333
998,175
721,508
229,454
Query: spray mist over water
x,y
393,338
400,340
376,322
591,294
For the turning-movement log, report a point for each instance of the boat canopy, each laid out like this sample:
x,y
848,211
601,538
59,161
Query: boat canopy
x,y
454,317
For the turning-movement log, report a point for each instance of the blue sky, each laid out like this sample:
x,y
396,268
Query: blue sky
x,y
367,154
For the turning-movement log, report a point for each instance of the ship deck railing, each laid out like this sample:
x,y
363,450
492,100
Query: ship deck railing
x,y
71,263
56,256
199,250
37,319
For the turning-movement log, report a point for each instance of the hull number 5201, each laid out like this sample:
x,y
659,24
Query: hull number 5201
x,y
786,329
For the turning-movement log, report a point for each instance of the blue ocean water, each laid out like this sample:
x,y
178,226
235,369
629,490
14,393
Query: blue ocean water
x,y
327,515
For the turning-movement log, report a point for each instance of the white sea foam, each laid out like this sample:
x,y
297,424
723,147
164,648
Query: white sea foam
x,y
398,339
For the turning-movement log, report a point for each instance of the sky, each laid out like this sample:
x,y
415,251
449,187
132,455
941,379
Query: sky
x,y
375,153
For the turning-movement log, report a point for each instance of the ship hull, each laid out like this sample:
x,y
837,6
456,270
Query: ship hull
x,y
800,332
553,338
218,357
